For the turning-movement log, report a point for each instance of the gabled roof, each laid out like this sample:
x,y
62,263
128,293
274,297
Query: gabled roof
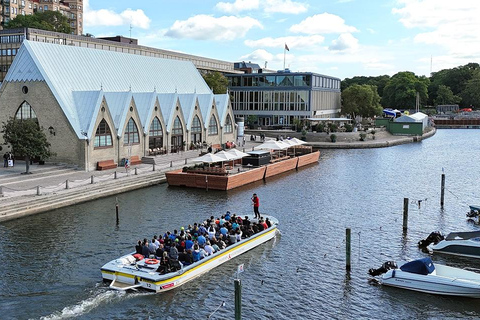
x,y
87,105
168,102
221,102
93,70
145,103
206,102
188,102
118,103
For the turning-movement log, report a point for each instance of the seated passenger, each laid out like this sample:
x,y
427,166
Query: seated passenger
x,y
232,237
235,225
159,252
138,247
211,232
215,247
202,230
196,253
224,231
164,264
173,254
145,251
246,222
208,249
264,224
188,243
201,241
152,247
268,222
227,216
238,234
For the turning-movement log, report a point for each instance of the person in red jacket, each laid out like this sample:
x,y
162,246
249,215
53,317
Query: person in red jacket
x,y
256,205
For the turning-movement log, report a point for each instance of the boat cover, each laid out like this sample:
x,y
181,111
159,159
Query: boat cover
x,y
421,266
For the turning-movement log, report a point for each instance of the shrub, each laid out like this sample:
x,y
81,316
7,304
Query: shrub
x,y
348,127
320,127
363,136
332,127
333,137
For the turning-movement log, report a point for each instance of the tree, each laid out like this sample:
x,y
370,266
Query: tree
x,y
446,96
47,20
217,81
471,94
380,82
27,139
401,90
362,100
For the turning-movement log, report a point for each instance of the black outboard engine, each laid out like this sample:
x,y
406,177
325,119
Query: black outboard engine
x,y
384,268
434,237
473,214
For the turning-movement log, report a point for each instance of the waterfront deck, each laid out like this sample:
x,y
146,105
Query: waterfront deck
x,y
239,176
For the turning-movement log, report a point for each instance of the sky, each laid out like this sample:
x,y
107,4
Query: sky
x,y
340,38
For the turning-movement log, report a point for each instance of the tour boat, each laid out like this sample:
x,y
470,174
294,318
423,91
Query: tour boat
x,y
125,273
423,276
465,244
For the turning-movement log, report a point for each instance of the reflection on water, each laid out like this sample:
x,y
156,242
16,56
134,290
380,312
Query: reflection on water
x,y
51,262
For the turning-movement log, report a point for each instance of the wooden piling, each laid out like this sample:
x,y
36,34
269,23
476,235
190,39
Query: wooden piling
x,y
348,249
116,209
185,160
405,214
442,196
171,164
238,299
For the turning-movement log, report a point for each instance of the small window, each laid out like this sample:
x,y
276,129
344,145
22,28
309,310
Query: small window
x,y
25,111
228,125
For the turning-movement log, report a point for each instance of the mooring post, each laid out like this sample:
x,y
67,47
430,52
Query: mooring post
x,y
92,179
238,299
136,172
38,190
171,164
442,197
206,181
66,184
116,209
348,249
405,214
185,160
1,191
153,169
115,175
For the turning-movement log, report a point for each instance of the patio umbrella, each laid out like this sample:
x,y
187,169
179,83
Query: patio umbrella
x,y
237,153
209,158
225,155
273,145
297,141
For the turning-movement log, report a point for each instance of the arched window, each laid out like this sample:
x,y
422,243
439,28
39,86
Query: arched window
x,y
25,111
212,127
103,136
131,133
177,127
177,135
155,136
228,125
196,130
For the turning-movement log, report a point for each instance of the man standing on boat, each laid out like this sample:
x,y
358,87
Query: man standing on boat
x,y
256,205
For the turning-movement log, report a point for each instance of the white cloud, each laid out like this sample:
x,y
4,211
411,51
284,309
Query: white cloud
x,y
258,56
301,42
322,24
204,27
449,24
285,6
269,6
237,6
344,42
107,17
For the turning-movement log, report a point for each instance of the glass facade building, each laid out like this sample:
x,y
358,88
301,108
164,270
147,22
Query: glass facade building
x,y
279,98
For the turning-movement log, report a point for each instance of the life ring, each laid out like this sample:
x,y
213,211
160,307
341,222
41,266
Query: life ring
x,y
138,256
152,261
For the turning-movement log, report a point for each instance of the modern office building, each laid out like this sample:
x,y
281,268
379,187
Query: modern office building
x,y
279,98
72,9
11,40
102,105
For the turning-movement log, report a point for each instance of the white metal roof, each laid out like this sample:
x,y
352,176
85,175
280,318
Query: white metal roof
x,y
188,102
91,70
145,102
221,102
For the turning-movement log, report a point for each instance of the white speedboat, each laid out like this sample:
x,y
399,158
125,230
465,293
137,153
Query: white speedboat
x,y
423,276
125,273
465,244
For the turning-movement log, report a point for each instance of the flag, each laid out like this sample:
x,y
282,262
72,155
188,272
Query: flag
x,y
286,47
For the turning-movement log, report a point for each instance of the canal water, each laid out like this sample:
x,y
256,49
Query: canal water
x,y
50,263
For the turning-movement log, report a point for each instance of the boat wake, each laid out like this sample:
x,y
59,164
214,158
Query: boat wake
x,y
99,297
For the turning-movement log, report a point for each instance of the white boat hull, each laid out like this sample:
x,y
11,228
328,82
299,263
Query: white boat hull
x,y
444,280
124,275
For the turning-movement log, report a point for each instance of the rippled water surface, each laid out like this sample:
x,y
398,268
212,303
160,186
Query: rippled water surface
x,y
50,263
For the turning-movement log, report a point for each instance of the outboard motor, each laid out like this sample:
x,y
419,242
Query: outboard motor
x,y
473,214
434,237
384,268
